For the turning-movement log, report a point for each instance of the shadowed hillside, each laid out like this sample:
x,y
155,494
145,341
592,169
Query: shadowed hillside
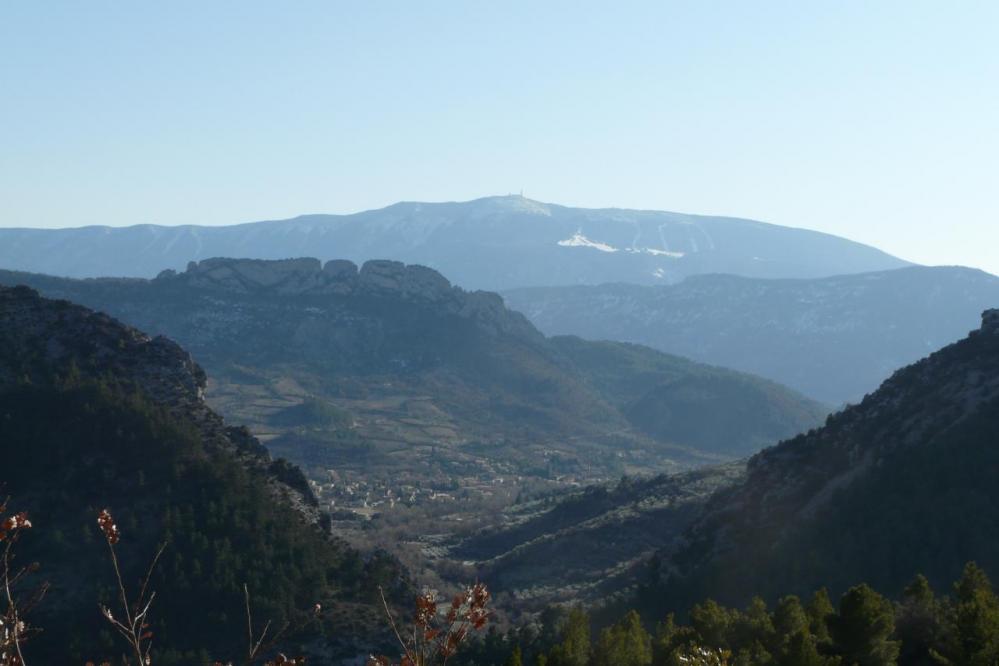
x,y
390,368
834,339
95,414
904,482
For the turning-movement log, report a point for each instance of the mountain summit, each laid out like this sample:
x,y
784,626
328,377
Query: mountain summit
x,y
491,243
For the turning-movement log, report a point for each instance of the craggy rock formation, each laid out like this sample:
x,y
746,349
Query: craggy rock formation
x,y
990,321
93,414
159,368
307,276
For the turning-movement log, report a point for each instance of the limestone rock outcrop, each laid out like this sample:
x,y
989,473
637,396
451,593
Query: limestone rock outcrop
x,y
79,340
990,321
308,276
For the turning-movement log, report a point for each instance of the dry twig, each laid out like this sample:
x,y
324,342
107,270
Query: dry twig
x,y
134,625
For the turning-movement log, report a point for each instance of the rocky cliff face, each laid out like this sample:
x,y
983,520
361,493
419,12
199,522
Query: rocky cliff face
x,y
39,337
159,367
990,321
309,277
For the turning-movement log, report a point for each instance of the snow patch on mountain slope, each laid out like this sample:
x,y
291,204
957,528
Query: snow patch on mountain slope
x,y
579,240
665,253
656,252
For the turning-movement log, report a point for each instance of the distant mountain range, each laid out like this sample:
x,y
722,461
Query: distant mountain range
x,y
389,367
492,243
833,339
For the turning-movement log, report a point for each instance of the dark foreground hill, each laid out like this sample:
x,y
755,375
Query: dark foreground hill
x,y
95,414
391,370
490,243
904,482
833,339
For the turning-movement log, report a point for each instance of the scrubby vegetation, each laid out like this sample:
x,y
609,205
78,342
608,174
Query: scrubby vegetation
x,y
79,447
863,629
95,415
435,637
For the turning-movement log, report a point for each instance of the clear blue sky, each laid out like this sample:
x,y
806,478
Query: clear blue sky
x,y
878,121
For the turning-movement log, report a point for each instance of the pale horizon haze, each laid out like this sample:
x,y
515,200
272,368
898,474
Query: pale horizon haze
x,y
878,122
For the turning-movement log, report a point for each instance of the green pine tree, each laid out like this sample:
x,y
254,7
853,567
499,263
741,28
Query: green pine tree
x,y
515,658
819,609
862,629
574,650
624,644
662,642
802,650
789,619
713,623
973,625
919,623
753,631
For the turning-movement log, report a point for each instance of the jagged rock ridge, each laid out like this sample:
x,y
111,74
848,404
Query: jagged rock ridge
x,y
163,372
308,276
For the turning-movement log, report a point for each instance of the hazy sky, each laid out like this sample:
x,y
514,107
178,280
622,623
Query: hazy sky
x,y
874,120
